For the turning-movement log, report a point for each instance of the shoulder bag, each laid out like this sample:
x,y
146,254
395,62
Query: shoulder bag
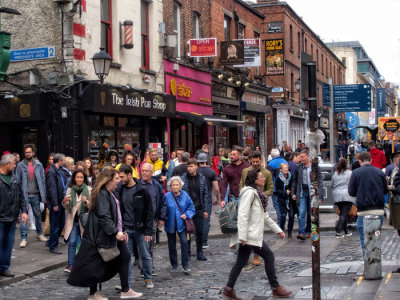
x,y
109,254
189,224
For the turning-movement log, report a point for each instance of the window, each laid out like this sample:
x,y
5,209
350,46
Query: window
x,y
241,28
298,43
291,37
177,30
106,28
312,51
305,46
144,15
196,26
256,69
344,61
322,64
227,28
317,60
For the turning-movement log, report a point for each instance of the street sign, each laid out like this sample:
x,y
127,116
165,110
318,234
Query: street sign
x,y
33,53
380,102
352,97
326,94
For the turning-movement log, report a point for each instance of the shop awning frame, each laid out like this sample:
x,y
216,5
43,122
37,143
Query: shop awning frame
x,y
199,119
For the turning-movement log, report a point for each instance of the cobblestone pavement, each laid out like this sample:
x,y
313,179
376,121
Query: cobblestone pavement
x,y
207,278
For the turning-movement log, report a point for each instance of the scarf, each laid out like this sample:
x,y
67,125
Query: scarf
x,y
284,179
263,198
83,190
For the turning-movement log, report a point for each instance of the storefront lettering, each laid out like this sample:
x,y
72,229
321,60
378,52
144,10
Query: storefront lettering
x,y
139,102
180,90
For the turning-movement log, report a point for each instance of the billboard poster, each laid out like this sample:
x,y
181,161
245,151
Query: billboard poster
x,y
232,53
388,128
274,57
252,54
203,47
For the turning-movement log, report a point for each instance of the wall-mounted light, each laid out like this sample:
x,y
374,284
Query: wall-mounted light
x,y
230,79
127,34
297,84
238,82
220,76
64,113
246,85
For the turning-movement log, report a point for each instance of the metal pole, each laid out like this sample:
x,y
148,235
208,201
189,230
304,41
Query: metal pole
x,y
331,123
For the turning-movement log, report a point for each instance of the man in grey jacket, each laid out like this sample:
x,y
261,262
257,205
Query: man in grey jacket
x,y
30,174
301,192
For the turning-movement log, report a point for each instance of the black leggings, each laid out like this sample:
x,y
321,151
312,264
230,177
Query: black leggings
x,y
344,207
242,258
122,268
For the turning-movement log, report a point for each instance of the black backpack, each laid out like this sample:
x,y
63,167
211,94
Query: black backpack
x,y
352,149
228,217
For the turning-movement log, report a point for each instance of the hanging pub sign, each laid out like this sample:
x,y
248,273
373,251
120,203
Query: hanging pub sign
x,y
232,53
203,47
274,57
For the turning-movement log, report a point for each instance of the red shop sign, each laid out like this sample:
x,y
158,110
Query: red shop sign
x,y
203,47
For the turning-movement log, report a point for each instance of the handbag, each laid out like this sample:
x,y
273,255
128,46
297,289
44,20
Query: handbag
x,y
83,218
189,224
396,198
352,212
109,254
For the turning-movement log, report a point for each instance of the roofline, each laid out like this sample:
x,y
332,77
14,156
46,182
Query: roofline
x,y
249,7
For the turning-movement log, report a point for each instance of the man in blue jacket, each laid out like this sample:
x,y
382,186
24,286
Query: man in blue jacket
x,y
30,174
368,184
11,203
196,186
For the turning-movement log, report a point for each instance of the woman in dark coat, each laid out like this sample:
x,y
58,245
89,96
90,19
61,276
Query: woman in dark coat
x,y
103,230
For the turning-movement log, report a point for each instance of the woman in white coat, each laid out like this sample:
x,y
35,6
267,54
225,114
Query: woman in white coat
x,y
251,218
340,186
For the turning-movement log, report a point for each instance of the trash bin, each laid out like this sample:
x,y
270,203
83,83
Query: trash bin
x,y
372,247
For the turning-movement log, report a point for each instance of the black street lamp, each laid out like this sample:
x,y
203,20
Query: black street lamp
x,y
297,84
101,62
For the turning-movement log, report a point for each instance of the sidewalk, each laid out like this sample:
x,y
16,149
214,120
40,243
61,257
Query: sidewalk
x,y
36,258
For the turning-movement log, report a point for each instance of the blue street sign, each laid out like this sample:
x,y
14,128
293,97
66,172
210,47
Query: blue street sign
x,y
326,94
352,97
380,102
33,53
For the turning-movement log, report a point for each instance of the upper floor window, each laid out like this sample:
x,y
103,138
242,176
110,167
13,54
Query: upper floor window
x,y
298,43
241,28
144,15
227,28
177,29
317,60
291,37
256,69
106,25
196,26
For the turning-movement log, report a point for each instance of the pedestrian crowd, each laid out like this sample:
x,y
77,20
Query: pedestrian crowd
x,y
111,215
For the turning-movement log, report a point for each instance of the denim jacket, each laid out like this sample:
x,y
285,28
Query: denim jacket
x,y
22,173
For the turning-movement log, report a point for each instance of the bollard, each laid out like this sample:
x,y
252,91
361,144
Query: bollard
x,y
372,247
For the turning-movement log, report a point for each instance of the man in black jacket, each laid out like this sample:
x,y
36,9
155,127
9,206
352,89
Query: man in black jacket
x,y
55,194
368,184
137,220
11,202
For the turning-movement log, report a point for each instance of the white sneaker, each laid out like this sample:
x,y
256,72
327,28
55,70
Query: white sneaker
x,y
41,238
349,234
130,294
97,296
23,244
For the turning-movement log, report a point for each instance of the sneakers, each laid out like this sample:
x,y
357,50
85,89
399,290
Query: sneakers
x,y
174,270
280,292
256,260
205,246
301,237
23,244
7,273
41,238
130,294
97,296
339,235
230,293
68,269
348,234
149,283
186,270
200,256
55,251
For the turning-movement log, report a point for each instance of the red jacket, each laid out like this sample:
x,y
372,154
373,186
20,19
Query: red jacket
x,y
378,158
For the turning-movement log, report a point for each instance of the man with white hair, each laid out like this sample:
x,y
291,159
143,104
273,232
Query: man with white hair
x,y
13,202
273,167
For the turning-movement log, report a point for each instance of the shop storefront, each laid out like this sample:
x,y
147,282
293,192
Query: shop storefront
x,y
113,117
290,124
192,89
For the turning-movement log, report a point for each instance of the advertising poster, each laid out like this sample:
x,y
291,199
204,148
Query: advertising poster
x,y
232,53
388,128
252,54
274,56
203,47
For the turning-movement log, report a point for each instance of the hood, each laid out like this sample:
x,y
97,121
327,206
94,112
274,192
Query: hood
x,y
245,189
374,151
113,152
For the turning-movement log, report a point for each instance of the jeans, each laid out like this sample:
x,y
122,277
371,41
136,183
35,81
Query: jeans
x,y
7,237
73,240
198,224
173,254
144,255
305,213
360,229
57,221
341,225
283,208
242,258
276,205
206,225
35,204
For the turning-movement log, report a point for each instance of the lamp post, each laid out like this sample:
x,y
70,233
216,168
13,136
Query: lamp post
x,y
101,62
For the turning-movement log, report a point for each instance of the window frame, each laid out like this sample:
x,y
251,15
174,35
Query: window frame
x,y
227,29
177,31
145,38
109,38
241,27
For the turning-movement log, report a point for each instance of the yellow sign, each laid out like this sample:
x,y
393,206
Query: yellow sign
x,y
388,128
25,110
180,90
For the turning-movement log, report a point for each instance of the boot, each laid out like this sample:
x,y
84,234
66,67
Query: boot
x,y
280,292
256,260
230,293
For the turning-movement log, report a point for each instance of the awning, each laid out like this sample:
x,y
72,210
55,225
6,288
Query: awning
x,y
198,119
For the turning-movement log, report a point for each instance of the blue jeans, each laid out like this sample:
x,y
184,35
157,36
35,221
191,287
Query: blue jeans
x,y
305,213
73,240
351,158
275,202
360,229
206,225
7,236
35,204
173,254
57,221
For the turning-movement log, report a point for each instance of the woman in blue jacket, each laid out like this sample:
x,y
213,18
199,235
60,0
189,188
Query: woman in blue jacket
x,y
175,221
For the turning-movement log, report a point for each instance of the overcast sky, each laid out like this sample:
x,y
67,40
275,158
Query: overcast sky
x,y
375,24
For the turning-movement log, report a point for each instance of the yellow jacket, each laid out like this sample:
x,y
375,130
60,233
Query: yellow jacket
x,y
135,173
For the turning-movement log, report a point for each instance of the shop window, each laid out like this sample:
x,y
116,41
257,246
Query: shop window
x,y
94,120
250,130
106,25
109,121
130,137
145,34
100,139
122,122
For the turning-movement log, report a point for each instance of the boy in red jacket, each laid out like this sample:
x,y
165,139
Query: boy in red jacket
x,y
378,157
